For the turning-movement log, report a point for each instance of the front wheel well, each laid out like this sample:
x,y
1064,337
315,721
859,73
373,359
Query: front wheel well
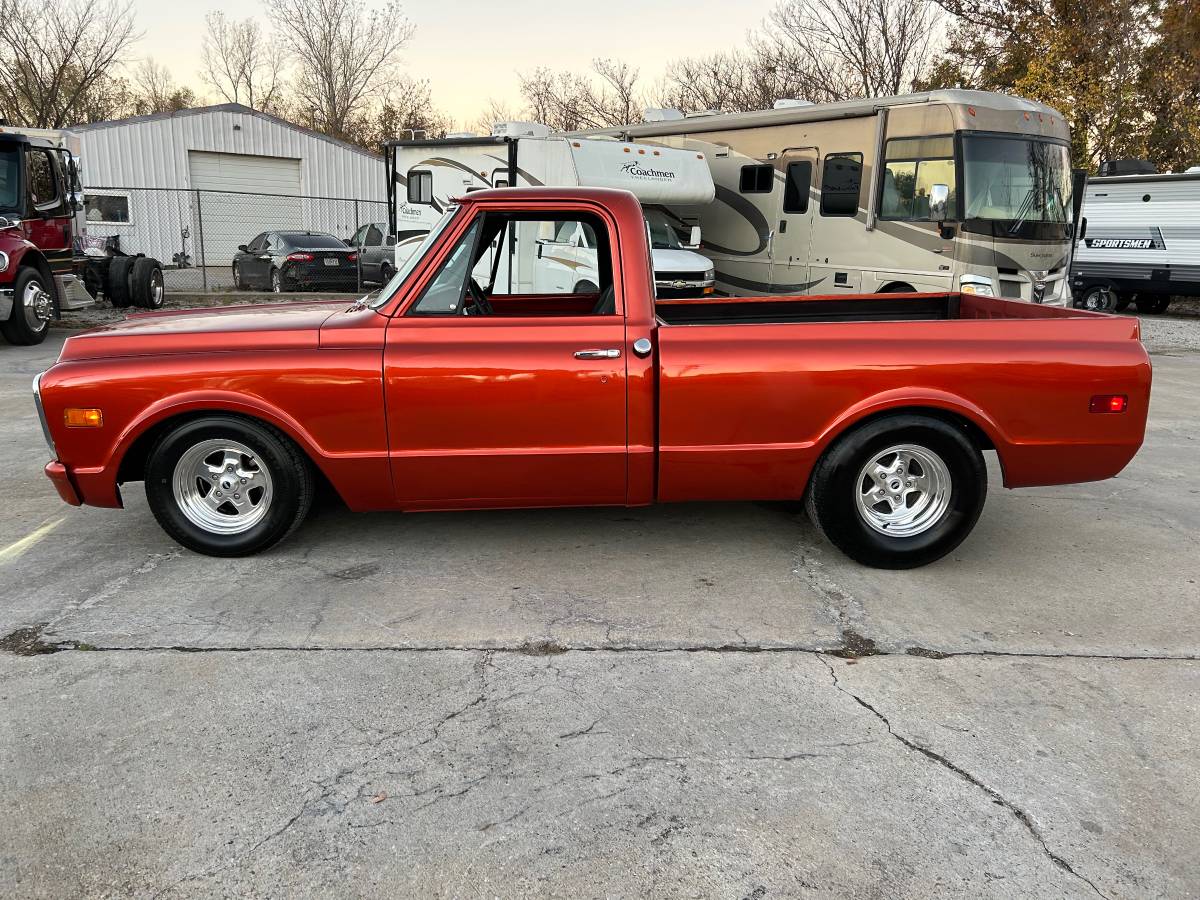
x,y
133,464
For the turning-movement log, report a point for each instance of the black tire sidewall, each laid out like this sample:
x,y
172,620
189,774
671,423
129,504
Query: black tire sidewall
x,y
292,485
832,494
140,277
16,330
117,283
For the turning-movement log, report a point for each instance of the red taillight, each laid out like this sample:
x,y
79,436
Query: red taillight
x,y
300,257
1109,403
352,257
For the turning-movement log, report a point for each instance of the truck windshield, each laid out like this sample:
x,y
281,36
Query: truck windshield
x,y
1016,180
10,178
663,235
410,263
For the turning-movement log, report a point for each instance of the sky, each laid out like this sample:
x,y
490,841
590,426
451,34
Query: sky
x,y
471,50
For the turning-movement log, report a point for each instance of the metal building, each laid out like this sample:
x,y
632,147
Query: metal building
x,y
197,183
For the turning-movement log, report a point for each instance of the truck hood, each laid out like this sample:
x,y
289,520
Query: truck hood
x,y
271,326
669,261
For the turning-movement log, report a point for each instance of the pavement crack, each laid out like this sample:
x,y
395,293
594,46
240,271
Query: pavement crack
x,y
1017,813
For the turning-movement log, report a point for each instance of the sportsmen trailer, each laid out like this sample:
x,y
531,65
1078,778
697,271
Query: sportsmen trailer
x,y
424,176
1140,242
943,190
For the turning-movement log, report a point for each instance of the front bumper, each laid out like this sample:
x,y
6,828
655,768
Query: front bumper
x,y
61,478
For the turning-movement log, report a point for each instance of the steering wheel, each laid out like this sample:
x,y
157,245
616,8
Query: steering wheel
x,y
483,306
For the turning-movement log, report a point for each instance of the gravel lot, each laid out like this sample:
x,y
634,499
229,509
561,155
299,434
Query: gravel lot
x,y
700,700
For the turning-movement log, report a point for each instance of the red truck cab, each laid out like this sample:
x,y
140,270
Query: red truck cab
x,y
459,386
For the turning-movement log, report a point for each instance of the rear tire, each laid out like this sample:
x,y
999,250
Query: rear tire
x,y
1153,305
33,306
146,283
1123,301
226,486
116,287
1099,298
939,491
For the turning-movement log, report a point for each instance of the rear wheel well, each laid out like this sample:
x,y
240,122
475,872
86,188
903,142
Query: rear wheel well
x,y
897,287
974,433
133,463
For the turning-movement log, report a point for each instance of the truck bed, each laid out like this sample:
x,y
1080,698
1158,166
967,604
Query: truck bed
x,y
922,307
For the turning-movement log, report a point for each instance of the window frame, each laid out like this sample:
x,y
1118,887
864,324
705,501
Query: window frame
x,y
805,193
953,158
844,154
128,209
420,176
757,167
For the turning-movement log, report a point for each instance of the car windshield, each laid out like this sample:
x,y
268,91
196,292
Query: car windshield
x,y
1016,180
10,179
385,293
302,241
663,235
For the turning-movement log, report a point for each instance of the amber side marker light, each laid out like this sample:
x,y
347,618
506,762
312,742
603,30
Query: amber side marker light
x,y
1109,403
83,418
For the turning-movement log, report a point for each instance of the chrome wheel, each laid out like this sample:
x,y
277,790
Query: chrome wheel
x,y
37,306
221,486
1099,300
156,289
903,491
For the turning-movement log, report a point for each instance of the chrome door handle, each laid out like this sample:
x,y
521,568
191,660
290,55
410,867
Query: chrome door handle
x,y
597,354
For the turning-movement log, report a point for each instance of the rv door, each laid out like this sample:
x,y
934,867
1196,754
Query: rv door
x,y
793,221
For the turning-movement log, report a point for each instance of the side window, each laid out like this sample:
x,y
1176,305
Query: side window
x,y
443,295
256,245
43,183
841,181
357,238
420,187
757,179
911,167
796,185
373,237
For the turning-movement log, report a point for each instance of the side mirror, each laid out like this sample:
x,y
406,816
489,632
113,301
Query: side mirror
x,y
1082,229
694,238
243,248
939,197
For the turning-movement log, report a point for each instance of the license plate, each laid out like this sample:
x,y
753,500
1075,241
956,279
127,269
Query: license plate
x,y
331,260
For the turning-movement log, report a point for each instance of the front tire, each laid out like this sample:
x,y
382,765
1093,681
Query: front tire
x,y
33,306
898,492
226,486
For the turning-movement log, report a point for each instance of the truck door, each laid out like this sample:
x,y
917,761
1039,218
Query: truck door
x,y
50,227
793,223
501,399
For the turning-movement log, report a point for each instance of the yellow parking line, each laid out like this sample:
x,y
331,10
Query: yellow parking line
x,y
16,548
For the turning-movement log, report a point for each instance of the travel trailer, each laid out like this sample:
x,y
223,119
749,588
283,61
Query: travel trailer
x,y
424,176
1140,242
943,190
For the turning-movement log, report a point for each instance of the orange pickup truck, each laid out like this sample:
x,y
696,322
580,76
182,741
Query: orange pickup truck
x,y
465,384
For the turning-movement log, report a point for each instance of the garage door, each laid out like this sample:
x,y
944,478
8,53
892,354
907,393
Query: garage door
x,y
240,197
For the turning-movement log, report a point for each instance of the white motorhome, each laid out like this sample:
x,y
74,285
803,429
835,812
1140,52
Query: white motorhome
x,y
1140,242
425,175
942,190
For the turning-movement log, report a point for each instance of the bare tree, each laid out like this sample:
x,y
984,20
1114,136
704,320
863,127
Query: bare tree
x,y
344,53
405,107
854,48
240,63
51,59
493,111
155,90
566,101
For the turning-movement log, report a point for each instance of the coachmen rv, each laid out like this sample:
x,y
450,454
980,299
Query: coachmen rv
x,y
424,176
1140,242
944,190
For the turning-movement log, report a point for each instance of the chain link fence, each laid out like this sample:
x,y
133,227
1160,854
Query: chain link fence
x,y
195,234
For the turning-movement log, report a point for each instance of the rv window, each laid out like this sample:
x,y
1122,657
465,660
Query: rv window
x,y
840,183
795,190
757,179
420,187
912,166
